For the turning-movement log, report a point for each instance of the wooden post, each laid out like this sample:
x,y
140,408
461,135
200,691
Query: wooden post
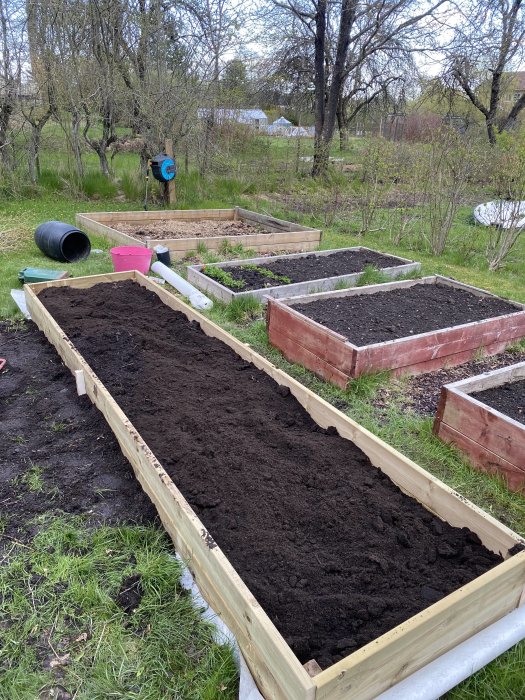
x,y
170,195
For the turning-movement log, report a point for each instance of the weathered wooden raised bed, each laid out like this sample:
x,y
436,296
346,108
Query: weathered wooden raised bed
x,y
378,665
196,277
277,234
334,358
492,441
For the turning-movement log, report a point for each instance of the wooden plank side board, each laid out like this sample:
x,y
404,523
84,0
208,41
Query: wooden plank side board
x,y
490,440
277,670
482,458
424,352
412,645
490,379
381,663
106,217
447,341
300,332
482,424
85,224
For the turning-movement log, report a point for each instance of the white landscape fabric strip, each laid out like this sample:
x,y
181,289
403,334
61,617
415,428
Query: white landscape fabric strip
x,y
20,300
223,635
438,677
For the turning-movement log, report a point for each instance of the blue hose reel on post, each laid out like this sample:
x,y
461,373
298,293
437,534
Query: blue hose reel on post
x,y
163,167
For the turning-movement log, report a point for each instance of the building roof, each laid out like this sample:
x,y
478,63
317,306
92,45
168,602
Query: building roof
x,y
282,122
239,115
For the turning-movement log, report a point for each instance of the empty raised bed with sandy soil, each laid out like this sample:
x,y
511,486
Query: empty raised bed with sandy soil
x,y
181,231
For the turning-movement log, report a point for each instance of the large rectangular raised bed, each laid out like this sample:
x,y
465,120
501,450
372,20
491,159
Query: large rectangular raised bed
x,y
263,233
335,358
492,441
379,664
393,266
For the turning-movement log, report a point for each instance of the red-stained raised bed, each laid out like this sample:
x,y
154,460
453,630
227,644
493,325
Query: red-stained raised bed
x,y
492,441
338,358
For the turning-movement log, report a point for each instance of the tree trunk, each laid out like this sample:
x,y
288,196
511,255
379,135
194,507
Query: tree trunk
x,y
75,143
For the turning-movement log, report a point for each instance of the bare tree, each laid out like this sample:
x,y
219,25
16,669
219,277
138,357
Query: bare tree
x,y
488,44
345,35
12,55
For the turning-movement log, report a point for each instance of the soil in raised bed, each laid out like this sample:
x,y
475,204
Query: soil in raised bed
x,y
173,228
44,424
374,318
310,267
335,553
508,399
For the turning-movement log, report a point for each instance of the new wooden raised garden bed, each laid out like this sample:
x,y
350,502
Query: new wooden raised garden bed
x,y
234,226
492,441
377,665
300,265
333,356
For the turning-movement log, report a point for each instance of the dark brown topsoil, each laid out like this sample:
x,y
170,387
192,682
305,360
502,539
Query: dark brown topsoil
x,y
508,399
44,424
373,318
310,267
421,393
335,553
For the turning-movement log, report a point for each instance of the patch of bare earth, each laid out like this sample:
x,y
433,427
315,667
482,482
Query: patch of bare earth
x,y
421,393
168,228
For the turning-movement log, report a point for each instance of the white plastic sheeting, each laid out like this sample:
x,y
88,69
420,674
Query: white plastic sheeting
x,y
502,213
223,635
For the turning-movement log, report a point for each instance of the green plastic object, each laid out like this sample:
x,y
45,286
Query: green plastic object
x,y
37,274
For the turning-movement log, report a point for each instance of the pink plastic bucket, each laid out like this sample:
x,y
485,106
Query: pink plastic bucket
x,y
131,257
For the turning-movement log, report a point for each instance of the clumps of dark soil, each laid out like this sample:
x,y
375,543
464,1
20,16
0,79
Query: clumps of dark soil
x,y
508,399
173,228
309,267
421,393
47,430
374,318
335,553
130,594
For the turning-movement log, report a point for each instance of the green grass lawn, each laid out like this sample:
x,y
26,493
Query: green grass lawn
x,y
463,259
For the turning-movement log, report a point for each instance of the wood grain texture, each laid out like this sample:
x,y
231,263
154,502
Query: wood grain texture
x,y
291,331
483,459
496,432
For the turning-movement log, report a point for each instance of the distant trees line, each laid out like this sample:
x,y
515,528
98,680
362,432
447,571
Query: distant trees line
x,y
149,64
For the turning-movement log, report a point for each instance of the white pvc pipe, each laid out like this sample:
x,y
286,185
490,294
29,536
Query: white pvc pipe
x,y
438,677
197,299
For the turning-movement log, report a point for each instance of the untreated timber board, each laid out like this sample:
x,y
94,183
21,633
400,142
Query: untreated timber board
x,y
280,235
220,291
491,441
279,674
294,333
